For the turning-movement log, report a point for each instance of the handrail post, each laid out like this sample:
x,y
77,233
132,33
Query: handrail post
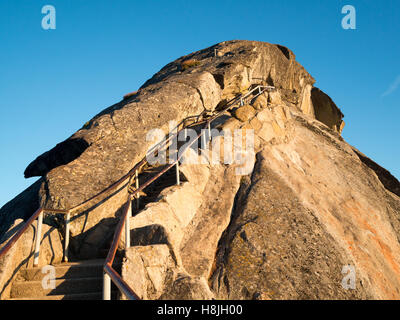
x,y
178,182
106,286
127,225
67,234
137,187
38,238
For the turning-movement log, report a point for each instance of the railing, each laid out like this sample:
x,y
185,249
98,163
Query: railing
x,y
109,272
37,215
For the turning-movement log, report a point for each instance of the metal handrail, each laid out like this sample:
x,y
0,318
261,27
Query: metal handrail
x,y
68,212
108,270
109,273
39,216
19,233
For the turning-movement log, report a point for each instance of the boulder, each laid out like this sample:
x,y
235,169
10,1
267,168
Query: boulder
x,y
261,101
188,288
274,97
326,110
148,270
244,113
306,105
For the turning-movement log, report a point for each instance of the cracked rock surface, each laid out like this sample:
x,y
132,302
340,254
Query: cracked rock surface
x,y
309,205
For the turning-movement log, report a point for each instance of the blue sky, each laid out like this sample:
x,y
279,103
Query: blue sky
x,y
53,81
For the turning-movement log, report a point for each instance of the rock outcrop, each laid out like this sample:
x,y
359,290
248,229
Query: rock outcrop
x,y
326,111
301,216
309,208
21,254
308,204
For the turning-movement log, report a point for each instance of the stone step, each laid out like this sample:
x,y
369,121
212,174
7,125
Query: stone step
x,y
33,289
81,269
76,296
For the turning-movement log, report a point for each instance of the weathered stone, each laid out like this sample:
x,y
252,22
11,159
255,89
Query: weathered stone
x,y
91,228
201,237
21,253
280,116
112,135
260,102
265,116
147,270
266,132
188,288
342,124
326,110
281,229
274,97
231,124
254,124
295,224
306,105
244,113
21,207
196,169
101,152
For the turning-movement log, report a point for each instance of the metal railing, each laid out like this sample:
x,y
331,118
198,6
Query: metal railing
x,y
109,273
38,215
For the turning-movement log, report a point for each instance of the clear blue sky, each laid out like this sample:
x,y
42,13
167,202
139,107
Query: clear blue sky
x,y
53,81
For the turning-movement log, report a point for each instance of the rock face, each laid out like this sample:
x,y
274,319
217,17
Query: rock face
x,y
244,113
307,206
109,145
301,216
326,111
22,253
21,207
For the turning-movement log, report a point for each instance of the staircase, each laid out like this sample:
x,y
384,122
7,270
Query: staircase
x,y
81,280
